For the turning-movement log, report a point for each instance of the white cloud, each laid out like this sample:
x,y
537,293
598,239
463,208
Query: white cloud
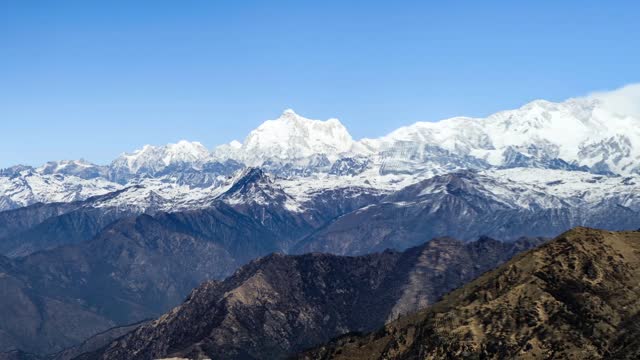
x,y
622,101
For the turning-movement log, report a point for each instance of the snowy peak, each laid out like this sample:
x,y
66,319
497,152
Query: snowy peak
x,y
248,181
253,186
27,187
578,132
292,136
152,159
563,130
599,134
185,152
459,135
230,151
80,168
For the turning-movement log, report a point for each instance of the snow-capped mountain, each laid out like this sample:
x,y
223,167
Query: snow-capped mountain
x,y
28,186
306,156
79,168
253,185
505,204
296,185
151,160
579,131
578,134
289,138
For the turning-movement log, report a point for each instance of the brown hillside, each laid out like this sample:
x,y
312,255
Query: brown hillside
x,y
577,297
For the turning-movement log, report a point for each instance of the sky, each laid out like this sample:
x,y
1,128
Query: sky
x,y
93,79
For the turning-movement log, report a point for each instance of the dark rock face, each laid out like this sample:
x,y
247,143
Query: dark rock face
x,y
281,304
576,297
19,355
15,221
327,205
15,170
81,169
408,217
256,195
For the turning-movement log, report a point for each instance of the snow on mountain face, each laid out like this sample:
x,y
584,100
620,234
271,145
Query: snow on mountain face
x,y
232,150
456,134
580,131
154,159
584,134
290,137
80,168
530,189
574,188
29,187
253,186
154,195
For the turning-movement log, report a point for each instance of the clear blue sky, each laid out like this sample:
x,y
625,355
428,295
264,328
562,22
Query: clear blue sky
x,y
94,78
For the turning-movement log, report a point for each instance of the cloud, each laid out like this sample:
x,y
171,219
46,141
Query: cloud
x,y
622,101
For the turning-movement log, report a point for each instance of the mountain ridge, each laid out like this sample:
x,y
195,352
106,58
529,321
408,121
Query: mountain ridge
x,y
580,134
573,297
279,304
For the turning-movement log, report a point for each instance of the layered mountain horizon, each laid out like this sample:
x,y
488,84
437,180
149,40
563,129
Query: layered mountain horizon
x,y
581,134
323,295
85,248
447,187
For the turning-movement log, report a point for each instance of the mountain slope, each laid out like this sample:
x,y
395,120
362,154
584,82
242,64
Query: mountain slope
x,y
504,204
136,268
255,194
27,186
152,159
32,320
280,304
575,297
45,226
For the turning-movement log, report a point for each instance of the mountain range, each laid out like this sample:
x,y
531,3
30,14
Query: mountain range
x,y
86,248
576,135
280,304
534,171
572,297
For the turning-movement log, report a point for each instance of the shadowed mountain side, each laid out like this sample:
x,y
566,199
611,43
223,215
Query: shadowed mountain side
x,y
135,269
